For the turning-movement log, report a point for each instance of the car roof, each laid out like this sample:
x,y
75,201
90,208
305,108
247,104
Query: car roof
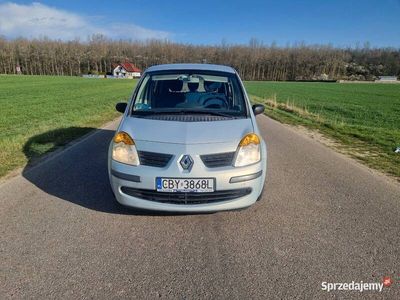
x,y
202,67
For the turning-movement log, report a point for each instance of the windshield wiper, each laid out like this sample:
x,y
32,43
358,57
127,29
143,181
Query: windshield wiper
x,y
208,112
182,111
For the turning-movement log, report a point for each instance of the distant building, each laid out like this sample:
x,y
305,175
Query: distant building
x,y
387,79
126,70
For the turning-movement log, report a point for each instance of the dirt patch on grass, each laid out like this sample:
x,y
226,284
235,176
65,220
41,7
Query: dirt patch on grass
x,y
314,134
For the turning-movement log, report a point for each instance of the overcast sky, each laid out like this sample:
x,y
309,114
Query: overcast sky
x,y
340,22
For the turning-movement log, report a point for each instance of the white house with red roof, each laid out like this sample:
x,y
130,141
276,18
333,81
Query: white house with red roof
x,y
126,70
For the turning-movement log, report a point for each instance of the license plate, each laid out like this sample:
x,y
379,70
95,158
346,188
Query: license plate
x,y
194,185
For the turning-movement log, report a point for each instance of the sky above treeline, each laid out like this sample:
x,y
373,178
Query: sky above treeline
x,y
340,23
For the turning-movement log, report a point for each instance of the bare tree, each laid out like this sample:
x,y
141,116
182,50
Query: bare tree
x,y
255,61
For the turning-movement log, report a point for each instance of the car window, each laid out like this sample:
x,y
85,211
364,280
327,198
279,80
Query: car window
x,y
194,92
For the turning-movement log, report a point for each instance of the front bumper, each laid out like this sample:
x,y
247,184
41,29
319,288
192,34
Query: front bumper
x,y
135,186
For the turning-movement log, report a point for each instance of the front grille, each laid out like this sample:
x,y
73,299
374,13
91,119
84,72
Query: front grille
x,y
186,198
217,160
154,159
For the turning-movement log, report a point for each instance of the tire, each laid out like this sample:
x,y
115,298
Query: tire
x,y
261,194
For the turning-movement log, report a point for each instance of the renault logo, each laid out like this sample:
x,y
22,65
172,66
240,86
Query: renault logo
x,y
186,162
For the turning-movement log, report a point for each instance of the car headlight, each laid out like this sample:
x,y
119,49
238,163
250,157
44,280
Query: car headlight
x,y
124,149
248,151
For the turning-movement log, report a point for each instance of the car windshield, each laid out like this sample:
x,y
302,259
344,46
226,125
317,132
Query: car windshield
x,y
190,93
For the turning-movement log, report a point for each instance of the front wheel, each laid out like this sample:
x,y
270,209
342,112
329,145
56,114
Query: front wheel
x,y
261,194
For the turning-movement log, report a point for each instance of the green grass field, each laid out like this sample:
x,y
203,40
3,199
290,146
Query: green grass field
x,y
34,105
363,117
47,112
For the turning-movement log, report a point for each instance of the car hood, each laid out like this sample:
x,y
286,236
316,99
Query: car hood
x,y
176,132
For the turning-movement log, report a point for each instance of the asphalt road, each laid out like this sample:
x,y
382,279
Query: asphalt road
x,y
323,217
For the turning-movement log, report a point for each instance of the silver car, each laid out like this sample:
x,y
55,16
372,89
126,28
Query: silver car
x,y
188,142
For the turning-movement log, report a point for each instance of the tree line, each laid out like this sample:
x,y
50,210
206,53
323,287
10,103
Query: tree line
x,y
254,61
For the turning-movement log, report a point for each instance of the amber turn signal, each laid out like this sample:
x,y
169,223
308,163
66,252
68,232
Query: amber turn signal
x,y
123,137
248,139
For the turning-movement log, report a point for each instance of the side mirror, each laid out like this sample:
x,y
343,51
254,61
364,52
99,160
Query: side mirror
x,y
121,106
258,109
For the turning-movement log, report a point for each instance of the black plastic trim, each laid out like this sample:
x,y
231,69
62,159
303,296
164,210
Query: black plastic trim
x,y
218,159
129,177
154,159
186,198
